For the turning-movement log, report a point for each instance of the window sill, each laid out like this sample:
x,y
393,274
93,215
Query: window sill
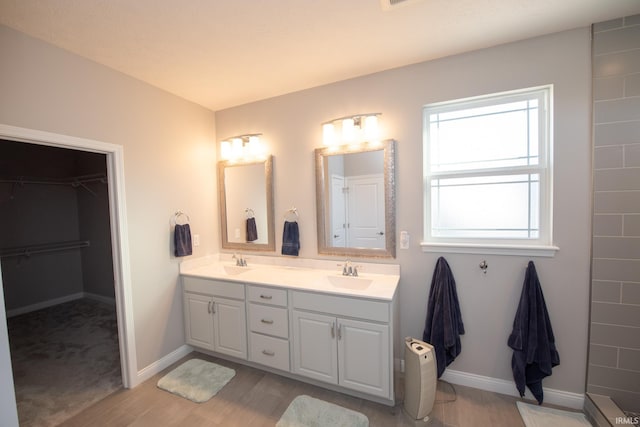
x,y
490,249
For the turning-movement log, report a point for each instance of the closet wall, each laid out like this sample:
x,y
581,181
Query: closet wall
x,y
33,214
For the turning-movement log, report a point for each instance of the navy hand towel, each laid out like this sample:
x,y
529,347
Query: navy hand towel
x,y
532,340
182,240
252,230
290,239
443,325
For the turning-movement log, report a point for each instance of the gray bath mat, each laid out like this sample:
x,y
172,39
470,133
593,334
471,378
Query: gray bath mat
x,y
305,411
196,380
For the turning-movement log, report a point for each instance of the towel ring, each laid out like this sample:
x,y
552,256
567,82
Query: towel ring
x,y
178,215
294,211
250,213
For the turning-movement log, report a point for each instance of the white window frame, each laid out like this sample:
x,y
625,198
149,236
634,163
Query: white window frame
x,y
541,246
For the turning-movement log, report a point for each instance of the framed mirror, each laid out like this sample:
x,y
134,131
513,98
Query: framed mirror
x,y
355,200
245,190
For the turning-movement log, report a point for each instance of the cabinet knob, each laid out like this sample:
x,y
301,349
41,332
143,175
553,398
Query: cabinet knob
x,y
266,296
209,307
268,322
268,353
333,330
339,332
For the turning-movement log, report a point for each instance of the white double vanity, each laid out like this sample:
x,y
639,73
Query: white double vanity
x,y
299,318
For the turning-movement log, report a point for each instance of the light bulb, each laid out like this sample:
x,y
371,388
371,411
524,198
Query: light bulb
x,y
371,129
348,130
225,150
236,148
328,134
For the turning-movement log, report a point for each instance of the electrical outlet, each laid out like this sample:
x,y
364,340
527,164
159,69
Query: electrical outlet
x,y
404,240
196,240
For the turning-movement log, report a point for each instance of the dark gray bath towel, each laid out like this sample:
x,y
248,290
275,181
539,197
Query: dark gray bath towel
x,y
290,239
532,340
443,325
182,240
252,230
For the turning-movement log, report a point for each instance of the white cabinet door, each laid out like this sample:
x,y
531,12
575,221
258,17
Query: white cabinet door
x,y
198,320
230,327
315,346
363,356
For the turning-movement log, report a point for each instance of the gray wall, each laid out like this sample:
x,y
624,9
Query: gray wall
x,y
614,358
35,215
169,165
488,302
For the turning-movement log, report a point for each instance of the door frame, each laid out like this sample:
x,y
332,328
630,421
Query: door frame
x,y
119,235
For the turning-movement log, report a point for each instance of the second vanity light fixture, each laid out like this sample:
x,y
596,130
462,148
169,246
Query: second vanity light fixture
x,y
242,147
353,130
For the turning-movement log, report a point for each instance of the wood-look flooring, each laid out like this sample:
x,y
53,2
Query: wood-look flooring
x,y
256,398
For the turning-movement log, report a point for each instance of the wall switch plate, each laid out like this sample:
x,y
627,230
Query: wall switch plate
x,y
196,240
237,233
404,240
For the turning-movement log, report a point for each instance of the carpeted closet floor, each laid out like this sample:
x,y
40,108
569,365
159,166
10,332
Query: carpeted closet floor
x,y
64,359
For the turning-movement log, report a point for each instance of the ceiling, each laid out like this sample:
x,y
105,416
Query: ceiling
x,y
221,54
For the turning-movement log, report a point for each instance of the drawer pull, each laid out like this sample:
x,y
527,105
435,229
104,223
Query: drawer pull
x,y
268,353
268,322
266,296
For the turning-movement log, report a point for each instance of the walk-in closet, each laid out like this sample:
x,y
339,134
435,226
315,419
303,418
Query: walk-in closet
x,y
58,282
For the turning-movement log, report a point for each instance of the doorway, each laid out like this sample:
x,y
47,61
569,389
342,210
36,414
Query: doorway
x,y
113,155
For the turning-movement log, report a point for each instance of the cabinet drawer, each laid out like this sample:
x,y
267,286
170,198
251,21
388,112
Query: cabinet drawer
x,y
342,306
266,295
269,320
269,351
213,287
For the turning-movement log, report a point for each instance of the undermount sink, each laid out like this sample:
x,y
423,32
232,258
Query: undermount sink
x,y
233,270
350,282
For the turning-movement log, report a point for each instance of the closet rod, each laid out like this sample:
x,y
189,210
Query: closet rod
x,y
75,182
42,248
66,181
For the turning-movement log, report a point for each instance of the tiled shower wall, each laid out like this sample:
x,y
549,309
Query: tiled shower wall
x,y
614,358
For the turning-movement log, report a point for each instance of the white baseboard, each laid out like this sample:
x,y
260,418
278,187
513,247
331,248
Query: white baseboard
x,y
157,366
100,298
50,303
496,385
44,304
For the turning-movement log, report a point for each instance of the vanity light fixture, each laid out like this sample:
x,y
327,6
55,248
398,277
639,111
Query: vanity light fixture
x,y
242,147
354,129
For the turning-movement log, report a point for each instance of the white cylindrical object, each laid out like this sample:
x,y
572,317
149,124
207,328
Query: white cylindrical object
x,y
420,378
348,131
328,134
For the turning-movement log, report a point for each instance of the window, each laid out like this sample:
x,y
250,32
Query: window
x,y
487,172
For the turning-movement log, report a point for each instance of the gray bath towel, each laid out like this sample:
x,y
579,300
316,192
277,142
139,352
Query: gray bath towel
x,y
182,240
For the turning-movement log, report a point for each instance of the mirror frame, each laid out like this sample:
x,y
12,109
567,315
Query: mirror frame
x,y
268,172
389,251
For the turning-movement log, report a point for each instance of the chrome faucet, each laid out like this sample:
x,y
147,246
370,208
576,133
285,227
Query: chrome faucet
x,y
240,261
349,270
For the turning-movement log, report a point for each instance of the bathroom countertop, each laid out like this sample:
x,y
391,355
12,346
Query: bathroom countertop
x,y
314,276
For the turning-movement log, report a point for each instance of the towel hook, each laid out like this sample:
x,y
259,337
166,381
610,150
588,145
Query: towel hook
x,y
292,210
250,213
177,216
483,266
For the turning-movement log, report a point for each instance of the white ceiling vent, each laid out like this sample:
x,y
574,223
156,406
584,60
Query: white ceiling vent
x,y
394,4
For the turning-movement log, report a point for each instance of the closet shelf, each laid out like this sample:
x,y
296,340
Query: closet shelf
x,y
42,248
75,182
